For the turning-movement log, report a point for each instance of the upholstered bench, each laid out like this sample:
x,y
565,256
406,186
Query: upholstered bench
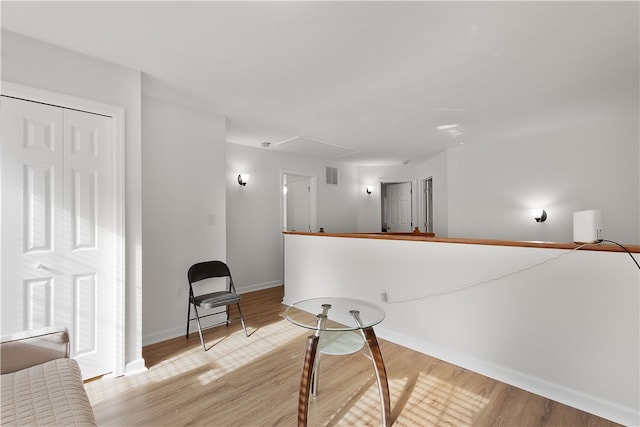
x,y
41,385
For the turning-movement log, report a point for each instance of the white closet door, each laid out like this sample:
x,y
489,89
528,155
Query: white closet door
x,y
88,240
32,171
57,221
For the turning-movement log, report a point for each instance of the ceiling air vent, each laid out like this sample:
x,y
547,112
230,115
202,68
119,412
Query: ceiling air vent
x,y
332,175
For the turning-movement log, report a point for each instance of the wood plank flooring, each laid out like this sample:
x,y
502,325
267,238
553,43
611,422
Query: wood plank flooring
x,y
254,381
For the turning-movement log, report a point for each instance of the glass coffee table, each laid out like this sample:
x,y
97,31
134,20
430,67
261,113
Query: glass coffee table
x,y
341,326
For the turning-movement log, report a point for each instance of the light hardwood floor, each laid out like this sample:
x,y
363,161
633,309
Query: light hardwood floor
x,y
254,381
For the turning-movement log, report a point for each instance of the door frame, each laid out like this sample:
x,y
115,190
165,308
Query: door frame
x,y
422,203
117,114
381,182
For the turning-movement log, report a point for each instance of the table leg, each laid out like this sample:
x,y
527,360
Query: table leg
x,y
381,374
315,374
305,380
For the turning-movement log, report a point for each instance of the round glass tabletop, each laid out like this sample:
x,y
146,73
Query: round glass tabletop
x,y
342,314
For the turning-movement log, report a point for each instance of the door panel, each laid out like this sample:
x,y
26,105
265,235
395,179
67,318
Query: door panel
x,y
84,224
38,302
85,291
38,204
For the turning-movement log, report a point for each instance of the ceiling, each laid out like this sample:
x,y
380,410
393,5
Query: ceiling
x,y
363,82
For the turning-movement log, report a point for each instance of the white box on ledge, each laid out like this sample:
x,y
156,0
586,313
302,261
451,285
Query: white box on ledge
x,y
587,226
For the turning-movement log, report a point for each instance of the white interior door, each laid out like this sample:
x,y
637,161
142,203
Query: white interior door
x,y
32,174
398,207
300,197
57,227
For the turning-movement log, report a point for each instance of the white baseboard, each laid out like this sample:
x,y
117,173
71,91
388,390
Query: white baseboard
x,y
588,403
164,335
167,334
258,286
135,367
180,331
288,301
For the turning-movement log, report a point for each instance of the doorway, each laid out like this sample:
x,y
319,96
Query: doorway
x,y
427,205
63,222
397,207
299,201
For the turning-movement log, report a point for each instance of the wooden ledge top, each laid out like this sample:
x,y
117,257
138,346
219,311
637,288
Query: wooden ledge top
x,y
428,237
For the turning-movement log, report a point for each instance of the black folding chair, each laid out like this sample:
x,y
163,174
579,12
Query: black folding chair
x,y
209,270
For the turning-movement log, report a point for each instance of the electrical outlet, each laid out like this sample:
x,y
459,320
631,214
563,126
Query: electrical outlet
x,y
384,295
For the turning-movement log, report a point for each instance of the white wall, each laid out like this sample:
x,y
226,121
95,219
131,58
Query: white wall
x,y
40,65
254,224
337,204
183,206
567,328
488,190
593,165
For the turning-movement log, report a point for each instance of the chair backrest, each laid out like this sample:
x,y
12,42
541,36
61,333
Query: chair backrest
x,y
209,270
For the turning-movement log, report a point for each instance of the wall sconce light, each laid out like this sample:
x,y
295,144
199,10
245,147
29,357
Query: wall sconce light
x,y
368,189
243,178
540,215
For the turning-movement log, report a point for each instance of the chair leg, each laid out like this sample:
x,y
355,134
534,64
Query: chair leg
x,y
188,317
242,320
195,309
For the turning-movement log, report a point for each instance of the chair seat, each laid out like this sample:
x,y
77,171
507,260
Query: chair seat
x,y
217,299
